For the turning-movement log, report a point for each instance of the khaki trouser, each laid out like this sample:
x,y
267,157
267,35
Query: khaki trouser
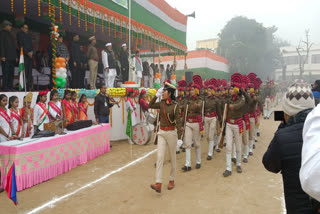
x,y
93,66
210,127
252,128
166,138
192,132
245,136
232,131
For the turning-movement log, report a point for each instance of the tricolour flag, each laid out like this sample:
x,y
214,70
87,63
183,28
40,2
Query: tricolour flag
x,y
21,71
11,186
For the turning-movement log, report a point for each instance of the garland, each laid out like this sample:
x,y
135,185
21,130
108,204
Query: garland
x,y
69,2
12,10
54,37
39,7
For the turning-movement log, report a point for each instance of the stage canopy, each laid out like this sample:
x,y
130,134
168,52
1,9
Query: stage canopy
x,y
202,62
154,22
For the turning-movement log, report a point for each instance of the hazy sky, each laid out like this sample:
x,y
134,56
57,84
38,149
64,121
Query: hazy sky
x,y
291,17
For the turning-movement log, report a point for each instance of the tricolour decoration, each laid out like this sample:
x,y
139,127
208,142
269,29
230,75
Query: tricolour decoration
x,y
157,83
61,72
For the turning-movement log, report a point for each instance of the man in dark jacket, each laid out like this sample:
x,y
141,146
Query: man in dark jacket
x,y
124,61
75,63
25,42
8,56
284,152
102,105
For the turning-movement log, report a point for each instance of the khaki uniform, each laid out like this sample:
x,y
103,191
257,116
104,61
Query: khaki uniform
x,y
212,113
252,108
93,60
260,104
192,129
233,130
169,133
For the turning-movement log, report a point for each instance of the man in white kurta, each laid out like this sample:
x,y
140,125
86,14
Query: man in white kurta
x,y
109,65
137,64
310,158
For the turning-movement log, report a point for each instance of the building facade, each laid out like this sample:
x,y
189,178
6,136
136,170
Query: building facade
x,y
209,44
291,70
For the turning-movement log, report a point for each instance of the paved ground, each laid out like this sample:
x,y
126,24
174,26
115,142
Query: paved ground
x,y
128,189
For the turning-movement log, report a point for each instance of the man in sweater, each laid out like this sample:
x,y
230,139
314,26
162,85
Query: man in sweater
x,y
8,56
102,106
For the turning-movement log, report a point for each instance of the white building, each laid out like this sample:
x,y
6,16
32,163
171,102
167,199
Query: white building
x,y
291,60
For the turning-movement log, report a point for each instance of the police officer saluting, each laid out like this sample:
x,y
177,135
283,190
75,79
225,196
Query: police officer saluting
x,y
169,133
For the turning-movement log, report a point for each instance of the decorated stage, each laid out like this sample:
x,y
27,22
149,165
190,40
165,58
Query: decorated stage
x,y
118,115
38,160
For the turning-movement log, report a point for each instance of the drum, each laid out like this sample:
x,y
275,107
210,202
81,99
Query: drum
x,y
151,118
141,133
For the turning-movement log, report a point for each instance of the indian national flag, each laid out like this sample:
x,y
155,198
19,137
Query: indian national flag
x,y
21,71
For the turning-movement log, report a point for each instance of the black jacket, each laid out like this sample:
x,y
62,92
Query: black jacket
x,y
284,154
7,46
25,42
75,53
101,106
124,60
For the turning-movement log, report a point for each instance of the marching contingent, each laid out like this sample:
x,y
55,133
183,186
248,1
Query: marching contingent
x,y
226,115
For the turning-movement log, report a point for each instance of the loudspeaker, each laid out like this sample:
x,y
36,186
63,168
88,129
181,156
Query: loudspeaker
x,y
189,75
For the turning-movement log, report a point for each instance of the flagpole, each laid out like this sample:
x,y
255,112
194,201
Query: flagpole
x,y
25,89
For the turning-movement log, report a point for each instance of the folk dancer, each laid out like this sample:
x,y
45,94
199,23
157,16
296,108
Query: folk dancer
x,y
83,108
41,112
54,106
16,119
26,113
144,106
132,119
234,125
169,133
67,109
194,127
74,104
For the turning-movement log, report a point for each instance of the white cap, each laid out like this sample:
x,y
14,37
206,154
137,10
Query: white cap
x,y
123,45
108,44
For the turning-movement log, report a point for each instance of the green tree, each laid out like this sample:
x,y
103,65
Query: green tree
x,y
249,47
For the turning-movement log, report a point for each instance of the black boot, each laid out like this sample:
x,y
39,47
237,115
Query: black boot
x,y
227,173
198,166
186,168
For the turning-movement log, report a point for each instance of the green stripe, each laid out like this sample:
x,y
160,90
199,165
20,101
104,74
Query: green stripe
x,y
148,18
205,73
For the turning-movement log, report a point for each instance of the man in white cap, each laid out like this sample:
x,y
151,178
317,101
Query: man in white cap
x,y
137,64
124,61
109,65
93,60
